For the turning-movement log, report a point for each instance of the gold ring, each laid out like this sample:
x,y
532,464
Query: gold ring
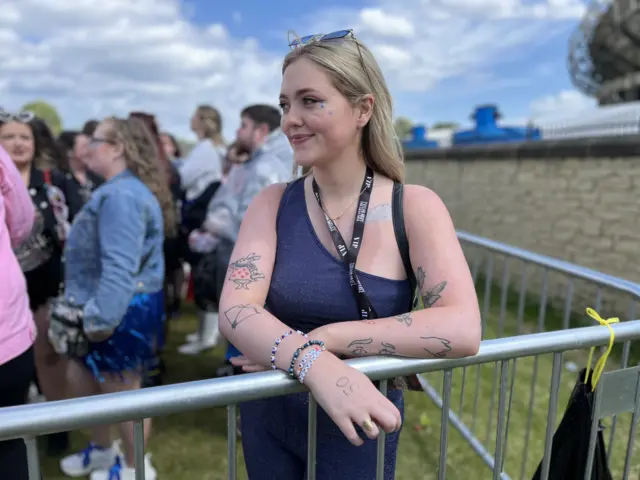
x,y
367,425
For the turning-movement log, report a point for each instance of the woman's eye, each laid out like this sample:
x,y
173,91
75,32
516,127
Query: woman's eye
x,y
309,101
283,106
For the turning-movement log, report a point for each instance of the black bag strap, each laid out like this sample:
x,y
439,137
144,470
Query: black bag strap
x,y
397,214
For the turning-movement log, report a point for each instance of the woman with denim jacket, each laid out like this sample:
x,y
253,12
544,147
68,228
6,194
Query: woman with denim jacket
x,y
40,255
114,274
17,330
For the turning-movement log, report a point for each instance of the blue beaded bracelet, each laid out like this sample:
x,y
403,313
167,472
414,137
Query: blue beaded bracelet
x,y
291,370
277,343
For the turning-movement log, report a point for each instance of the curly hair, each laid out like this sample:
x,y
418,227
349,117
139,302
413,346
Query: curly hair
x,y
141,156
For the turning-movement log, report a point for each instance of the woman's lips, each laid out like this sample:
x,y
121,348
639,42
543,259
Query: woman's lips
x,y
299,139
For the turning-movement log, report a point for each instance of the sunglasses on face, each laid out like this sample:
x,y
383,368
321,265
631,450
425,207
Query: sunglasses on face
x,y
22,117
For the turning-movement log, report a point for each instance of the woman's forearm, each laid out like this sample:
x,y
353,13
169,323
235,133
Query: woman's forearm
x,y
253,331
442,332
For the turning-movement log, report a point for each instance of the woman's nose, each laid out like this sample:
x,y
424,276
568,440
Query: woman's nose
x,y
291,119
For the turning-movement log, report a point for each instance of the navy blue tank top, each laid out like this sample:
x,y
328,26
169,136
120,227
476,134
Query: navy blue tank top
x,y
309,286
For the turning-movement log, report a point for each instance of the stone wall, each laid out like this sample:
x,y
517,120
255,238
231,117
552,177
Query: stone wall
x,y
577,200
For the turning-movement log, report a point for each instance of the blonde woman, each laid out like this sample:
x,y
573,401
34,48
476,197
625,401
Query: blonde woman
x,y
203,165
114,277
320,256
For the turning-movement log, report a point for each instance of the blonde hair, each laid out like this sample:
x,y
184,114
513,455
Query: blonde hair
x,y
211,124
141,157
355,73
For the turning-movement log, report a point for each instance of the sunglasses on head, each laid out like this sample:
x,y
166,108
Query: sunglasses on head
x,y
321,37
337,35
22,117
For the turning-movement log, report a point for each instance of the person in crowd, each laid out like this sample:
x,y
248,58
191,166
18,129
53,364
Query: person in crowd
x,y
122,229
236,155
203,166
317,275
81,181
270,161
40,255
172,149
17,330
172,260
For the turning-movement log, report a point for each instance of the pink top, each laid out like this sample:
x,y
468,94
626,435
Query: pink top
x,y
17,329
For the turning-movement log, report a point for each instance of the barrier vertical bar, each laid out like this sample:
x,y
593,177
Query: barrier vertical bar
x,y
33,462
312,428
382,439
232,439
138,448
444,424
556,373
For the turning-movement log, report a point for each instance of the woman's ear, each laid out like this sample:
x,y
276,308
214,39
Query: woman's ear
x,y
365,110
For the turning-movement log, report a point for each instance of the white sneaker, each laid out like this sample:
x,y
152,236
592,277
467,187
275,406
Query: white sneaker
x,y
91,458
197,347
120,471
193,337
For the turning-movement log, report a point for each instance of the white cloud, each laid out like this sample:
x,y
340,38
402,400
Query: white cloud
x,y
564,104
92,58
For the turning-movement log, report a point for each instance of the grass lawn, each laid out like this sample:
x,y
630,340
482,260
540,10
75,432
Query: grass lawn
x,y
193,445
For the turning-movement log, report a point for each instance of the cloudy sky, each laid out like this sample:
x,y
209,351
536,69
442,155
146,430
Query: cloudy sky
x,y
92,58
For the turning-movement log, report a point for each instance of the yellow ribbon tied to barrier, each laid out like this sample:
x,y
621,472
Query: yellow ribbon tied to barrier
x,y
600,364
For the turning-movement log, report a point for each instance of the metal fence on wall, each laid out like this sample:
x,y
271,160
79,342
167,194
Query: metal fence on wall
x,y
505,357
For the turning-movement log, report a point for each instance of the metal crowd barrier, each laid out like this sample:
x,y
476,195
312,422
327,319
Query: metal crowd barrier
x,y
514,345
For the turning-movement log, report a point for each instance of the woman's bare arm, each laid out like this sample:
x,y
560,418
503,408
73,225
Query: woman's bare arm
x,y
243,320
449,326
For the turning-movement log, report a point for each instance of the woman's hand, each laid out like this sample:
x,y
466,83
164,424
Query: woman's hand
x,y
349,397
247,365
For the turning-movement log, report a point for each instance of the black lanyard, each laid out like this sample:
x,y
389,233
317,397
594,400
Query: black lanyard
x,y
350,255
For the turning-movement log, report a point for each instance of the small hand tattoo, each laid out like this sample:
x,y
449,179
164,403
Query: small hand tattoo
x,y
239,313
244,271
431,295
437,347
405,318
358,346
387,349
347,386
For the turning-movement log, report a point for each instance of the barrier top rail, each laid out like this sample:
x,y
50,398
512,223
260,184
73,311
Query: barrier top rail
x,y
551,263
42,418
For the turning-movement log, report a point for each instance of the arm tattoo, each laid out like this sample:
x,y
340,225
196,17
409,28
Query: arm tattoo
x,y
437,347
358,346
239,313
405,318
431,295
387,349
346,385
244,272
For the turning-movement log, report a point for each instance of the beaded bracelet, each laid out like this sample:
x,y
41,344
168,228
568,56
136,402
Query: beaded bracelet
x,y
277,343
307,361
310,343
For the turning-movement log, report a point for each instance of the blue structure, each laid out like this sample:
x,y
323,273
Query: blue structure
x,y
488,131
418,139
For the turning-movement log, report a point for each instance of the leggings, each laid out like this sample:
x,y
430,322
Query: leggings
x,y
274,441
15,377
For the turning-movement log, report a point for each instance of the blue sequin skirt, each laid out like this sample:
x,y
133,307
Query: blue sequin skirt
x,y
133,342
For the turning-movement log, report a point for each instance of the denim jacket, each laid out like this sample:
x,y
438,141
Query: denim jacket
x,y
114,251
271,163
